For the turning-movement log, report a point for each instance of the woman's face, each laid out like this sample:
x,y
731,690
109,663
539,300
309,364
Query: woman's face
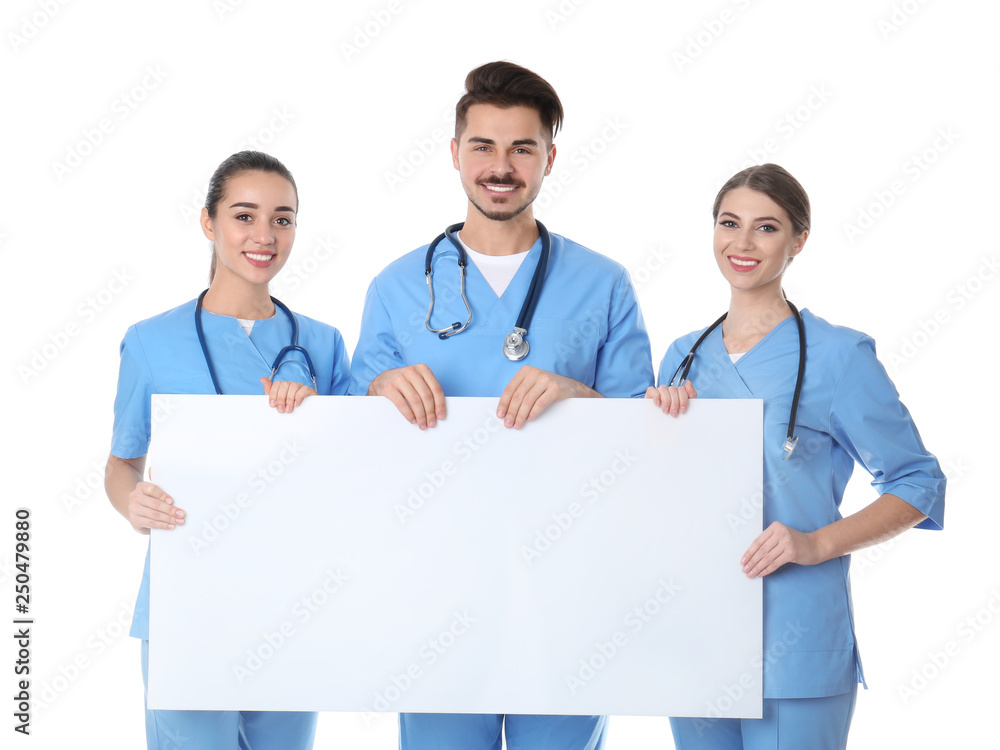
x,y
754,240
253,228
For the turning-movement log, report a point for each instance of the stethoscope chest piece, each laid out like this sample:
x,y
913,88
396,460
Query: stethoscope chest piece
x,y
789,446
514,346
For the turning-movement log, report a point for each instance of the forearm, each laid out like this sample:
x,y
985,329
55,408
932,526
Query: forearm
x,y
884,519
120,478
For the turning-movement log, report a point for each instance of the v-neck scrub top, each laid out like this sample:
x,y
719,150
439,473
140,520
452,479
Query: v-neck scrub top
x,y
162,355
849,411
587,325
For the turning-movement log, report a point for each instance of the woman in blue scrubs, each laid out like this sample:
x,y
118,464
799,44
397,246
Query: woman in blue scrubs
x,y
849,411
249,216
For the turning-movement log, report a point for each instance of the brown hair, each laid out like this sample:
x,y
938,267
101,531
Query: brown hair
x,y
504,84
238,163
778,185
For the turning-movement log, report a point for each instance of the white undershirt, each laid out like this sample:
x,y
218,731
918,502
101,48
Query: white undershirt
x,y
247,325
736,357
498,270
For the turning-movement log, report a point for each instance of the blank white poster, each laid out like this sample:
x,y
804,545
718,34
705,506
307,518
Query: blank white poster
x,y
340,559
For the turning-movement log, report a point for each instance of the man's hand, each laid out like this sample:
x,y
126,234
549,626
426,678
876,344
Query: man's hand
x,y
415,392
531,391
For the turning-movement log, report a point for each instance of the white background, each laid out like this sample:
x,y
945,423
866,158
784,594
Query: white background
x,y
850,94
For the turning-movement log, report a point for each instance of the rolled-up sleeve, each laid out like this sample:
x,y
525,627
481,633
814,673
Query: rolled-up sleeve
x,y
870,422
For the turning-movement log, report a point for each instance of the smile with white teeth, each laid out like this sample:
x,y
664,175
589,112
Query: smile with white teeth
x,y
500,188
259,256
744,262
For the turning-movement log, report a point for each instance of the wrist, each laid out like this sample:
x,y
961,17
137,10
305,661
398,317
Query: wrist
x,y
581,390
822,546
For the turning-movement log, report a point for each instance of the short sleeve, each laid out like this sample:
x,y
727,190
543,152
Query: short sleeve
x,y
870,422
130,436
341,379
624,362
377,349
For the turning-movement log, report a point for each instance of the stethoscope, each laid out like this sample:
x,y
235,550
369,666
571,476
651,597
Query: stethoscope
x,y
685,367
278,362
514,345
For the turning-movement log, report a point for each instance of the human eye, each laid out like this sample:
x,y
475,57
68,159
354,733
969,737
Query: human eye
x,y
768,228
283,221
244,217
727,223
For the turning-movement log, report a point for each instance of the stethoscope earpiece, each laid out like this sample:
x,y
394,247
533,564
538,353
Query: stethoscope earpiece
x,y
451,330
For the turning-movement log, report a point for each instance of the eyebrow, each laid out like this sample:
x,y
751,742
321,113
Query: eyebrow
x,y
254,205
518,142
759,218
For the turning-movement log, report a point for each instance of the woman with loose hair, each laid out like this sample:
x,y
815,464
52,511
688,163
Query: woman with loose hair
x,y
828,404
227,340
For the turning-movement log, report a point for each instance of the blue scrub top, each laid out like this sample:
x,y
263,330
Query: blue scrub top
x,y
587,325
162,355
849,411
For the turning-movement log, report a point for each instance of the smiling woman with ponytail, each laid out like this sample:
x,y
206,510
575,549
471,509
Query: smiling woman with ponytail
x,y
250,217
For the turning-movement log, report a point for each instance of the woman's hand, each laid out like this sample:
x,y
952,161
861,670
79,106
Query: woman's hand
x,y
672,400
149,507
779,544
285,395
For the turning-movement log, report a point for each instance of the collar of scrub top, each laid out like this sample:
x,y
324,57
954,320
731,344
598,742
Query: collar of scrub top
x,y
515,347
278,360
685,367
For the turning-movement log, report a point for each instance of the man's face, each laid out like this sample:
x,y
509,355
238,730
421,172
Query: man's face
x,y
502,155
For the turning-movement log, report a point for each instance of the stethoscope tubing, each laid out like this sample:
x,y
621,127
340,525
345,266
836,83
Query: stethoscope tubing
x,y
463,261
527,307
685,368
293,347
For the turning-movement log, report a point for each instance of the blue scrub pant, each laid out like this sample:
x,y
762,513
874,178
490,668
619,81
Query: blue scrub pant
x,y
219,730
482,732
788,724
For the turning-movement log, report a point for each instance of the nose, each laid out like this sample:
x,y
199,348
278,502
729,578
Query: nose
x,y
501,164
263,233
745,240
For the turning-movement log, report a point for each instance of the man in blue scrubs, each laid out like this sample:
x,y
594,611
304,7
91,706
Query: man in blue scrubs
x,y
587,337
